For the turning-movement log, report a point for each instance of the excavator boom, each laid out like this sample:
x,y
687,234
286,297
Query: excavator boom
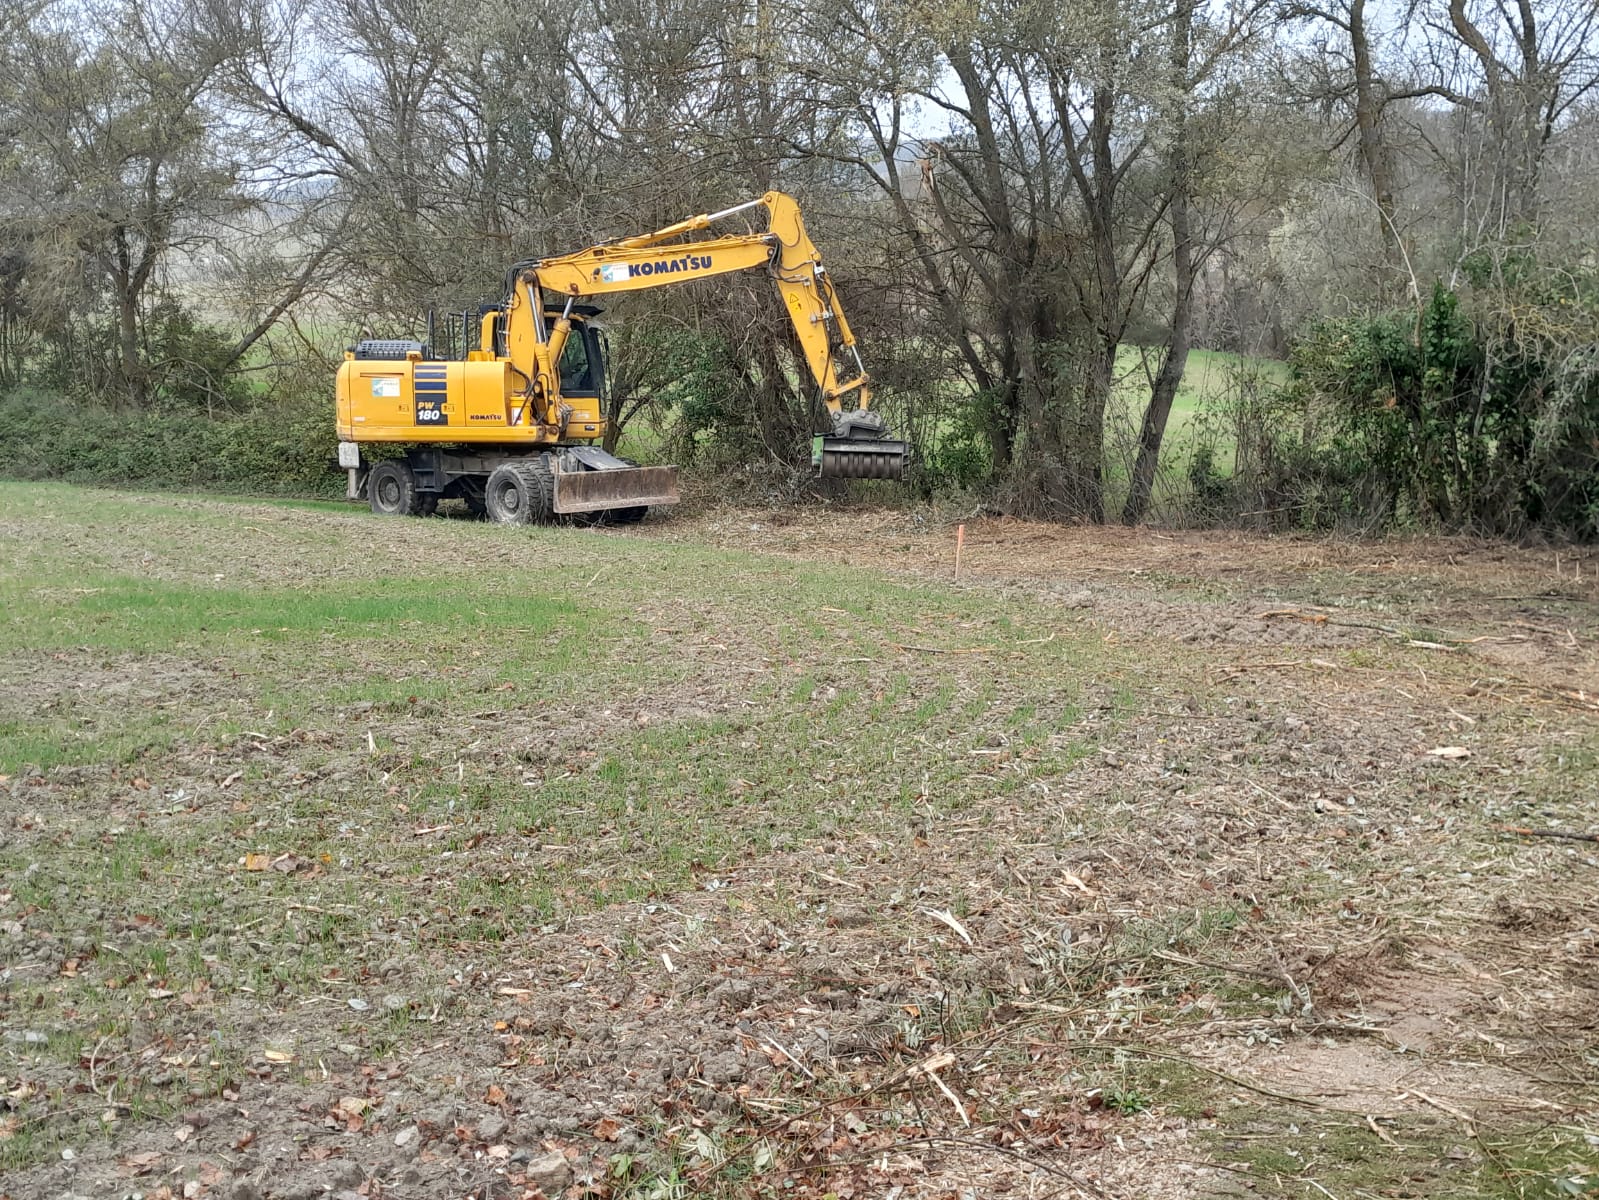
x,y
859,445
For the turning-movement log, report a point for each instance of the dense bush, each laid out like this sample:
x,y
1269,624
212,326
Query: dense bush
x,y
1479,415
284,446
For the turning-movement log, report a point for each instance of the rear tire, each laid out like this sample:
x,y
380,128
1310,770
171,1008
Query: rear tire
x,y
391,490
521,493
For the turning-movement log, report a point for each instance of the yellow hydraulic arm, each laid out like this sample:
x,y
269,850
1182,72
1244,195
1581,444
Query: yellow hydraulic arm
x,y
661,259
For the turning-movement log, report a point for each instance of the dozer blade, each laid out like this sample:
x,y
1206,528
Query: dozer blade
x,y
623,487
862,458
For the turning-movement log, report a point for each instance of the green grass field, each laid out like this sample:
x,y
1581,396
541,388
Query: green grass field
x,y
1201,411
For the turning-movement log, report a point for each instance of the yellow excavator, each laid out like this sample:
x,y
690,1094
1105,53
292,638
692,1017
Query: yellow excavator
x,y
511,427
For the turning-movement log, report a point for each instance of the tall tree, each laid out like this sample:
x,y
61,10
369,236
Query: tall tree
x,y
116,169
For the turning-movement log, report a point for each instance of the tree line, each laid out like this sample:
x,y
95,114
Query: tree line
x,y
1018,199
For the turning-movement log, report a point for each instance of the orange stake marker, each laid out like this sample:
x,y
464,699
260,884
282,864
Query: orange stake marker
x,y
960,541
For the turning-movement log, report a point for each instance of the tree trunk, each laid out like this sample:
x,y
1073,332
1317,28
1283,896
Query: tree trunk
x,y
129,366
1164,391
1087,460
1374,153
1086,479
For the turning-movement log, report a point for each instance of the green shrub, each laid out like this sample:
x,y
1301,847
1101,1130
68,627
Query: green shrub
x,y
273,447
1210,490
1483,420
959,456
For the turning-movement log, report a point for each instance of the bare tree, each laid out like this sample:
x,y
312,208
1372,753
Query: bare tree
x,y
1518,68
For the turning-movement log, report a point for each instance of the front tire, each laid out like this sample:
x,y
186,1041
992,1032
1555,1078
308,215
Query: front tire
x,y
391,490
521,493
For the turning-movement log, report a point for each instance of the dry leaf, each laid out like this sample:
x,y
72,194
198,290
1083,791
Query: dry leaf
x,y
278,1056
256,862
353,1106
948,918
140,1164
608,1129
495,1095
1451,752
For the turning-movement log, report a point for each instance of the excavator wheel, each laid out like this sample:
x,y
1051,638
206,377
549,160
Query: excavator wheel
x,y
521,493
391,490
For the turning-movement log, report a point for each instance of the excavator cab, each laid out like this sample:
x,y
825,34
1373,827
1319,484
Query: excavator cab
x,y
582,363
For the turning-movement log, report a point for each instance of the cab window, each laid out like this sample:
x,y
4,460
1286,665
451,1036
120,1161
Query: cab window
x,y
577,369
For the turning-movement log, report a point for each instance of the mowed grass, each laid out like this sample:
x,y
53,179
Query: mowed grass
x,y
454,730
661,708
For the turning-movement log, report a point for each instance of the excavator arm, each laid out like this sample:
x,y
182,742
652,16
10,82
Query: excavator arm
x,y
859,447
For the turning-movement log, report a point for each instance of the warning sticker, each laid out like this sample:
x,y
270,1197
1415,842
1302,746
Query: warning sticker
x,y
386,386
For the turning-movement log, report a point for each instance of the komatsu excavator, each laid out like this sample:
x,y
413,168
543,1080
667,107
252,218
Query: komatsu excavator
x,y
511,427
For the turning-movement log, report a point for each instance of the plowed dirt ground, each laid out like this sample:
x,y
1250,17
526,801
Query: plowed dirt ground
x,y
753,854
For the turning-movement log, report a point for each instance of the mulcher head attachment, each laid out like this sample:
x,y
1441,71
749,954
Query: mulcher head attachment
x,y
860,448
